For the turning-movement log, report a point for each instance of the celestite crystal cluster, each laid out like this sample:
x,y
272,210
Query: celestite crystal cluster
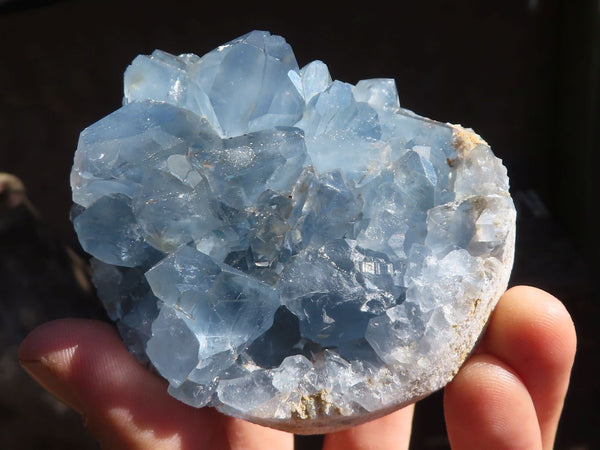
x,y
299,252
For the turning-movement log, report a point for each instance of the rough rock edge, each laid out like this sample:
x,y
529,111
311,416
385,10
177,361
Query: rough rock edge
x,y
463,140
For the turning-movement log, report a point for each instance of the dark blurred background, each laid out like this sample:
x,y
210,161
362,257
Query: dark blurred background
x,y
523,73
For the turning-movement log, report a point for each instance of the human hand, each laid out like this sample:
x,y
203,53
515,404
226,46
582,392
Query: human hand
x,y
509,394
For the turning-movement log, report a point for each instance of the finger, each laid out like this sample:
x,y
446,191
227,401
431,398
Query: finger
x,y
387,433
84,364
245,435
533,333
487,406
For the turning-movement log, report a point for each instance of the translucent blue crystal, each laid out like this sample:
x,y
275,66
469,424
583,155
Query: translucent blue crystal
x,y
254,67
284,246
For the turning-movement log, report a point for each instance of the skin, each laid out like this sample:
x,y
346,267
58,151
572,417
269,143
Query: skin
x,y
508,395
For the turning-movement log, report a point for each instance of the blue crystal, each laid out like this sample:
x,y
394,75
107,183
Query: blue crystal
x,y
122,243
254,67
223,307
281,245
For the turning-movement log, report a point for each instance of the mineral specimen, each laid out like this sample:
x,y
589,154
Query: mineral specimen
x,y
299,252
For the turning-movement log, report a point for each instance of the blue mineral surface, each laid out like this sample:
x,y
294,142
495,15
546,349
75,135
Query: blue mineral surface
x,y
281,245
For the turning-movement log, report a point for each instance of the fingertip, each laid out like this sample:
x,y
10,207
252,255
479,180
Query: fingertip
x,y
487,406
84,364
80,352
57,335
539,319
48,355
533,333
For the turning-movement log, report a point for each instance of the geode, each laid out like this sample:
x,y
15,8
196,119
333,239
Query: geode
x,y
299,252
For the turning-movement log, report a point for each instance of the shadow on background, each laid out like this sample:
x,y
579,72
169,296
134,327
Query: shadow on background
x,y
523,74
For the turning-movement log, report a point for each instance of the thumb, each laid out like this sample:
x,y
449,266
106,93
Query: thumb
x,y
84,364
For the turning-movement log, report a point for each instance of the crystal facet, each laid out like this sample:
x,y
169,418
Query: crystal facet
x,y
293,250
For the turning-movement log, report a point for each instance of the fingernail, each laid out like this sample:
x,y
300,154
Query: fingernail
x,y
53,383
